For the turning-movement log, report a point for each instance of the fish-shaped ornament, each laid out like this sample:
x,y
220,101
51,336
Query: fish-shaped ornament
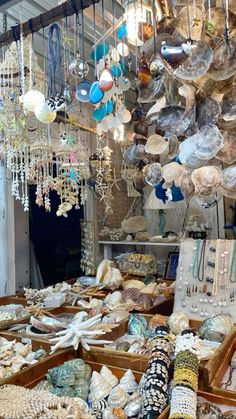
x,y
173,54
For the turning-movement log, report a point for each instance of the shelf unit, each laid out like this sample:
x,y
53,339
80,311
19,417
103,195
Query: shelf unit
x,y
107,245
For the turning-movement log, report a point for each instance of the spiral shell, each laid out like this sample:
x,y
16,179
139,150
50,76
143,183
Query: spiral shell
x,y
118,397
109,376
128,382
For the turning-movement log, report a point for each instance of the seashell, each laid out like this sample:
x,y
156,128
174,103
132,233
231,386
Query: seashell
x,y
137,324
197,63
123,346
132,293
103,271
133,408
223,65
206,410
128,382
99,405
178,322
145,301
118,397
46,324
216,328
109,376
113,413
99,388
61,376
157,320
149,289
132,283
81,370
22,349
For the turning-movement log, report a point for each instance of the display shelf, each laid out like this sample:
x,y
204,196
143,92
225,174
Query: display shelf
x,y
107,245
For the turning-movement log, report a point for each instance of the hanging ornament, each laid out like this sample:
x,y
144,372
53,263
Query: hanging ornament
x,y
173,54
121,32
78,68
144,74
31,99
106,80
145,31
123,49
41,171
100,51
83,88
115,56
44,114
95,93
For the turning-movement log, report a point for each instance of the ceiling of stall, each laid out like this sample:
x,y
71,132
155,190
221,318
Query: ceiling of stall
x,y
14,11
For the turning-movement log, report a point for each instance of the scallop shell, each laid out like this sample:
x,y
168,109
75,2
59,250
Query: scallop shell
x,y
99,388
132,283
109,376
128,382
118,397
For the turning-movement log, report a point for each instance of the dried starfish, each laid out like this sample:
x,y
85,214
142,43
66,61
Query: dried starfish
x,y
78,332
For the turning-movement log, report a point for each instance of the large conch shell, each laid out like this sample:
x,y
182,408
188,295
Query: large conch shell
x,y
99,388
118,397
108,276
178,322
128,382
107,374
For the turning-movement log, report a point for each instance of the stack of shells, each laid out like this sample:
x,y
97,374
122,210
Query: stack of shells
x,y
111,398
154,383
70,379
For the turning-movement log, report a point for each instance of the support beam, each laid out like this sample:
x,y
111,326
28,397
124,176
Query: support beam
x,y
68,8
5,4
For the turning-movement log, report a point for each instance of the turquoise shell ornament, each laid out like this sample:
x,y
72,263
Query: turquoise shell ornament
x,y
99,113
100,51
109,106
115,71
137,325
95,94
122,32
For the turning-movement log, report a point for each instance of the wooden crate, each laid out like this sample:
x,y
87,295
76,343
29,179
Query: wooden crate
x,y
121,358
215,369
20,377
33,377
13,299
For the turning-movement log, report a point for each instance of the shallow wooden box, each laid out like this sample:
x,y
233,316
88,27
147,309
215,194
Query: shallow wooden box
x,y
217,366
121,358
33,377
27,371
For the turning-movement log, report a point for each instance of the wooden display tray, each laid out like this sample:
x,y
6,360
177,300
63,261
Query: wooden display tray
x,y
121,358
31,378
211,398
56,311
217,366
19,377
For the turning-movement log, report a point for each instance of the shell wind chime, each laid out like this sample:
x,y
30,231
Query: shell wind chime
x,y
41,171
72,172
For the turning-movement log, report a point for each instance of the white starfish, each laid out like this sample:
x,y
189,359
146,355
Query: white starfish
x,y
78,332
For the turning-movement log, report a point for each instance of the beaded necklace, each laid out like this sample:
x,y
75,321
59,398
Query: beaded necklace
x,y
232,271
195,267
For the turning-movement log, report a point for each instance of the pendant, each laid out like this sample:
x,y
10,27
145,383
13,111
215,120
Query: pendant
x,y
173,54
95,93
144,74
106,80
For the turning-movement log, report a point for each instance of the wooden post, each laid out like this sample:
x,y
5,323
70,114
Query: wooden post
x,y
68,8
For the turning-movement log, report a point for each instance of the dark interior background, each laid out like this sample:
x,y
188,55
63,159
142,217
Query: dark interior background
x,y
57,240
